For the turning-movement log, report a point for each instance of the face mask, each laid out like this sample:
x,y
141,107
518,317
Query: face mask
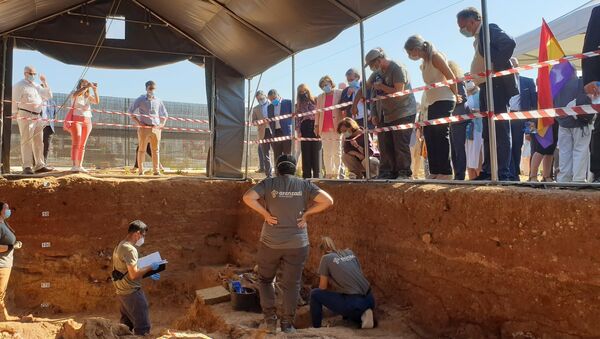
x,y
347,134
327,89
7,214
374,69
275,102
414,57
466,33
150,93
30,77
354,84
262,101
140,242
304,96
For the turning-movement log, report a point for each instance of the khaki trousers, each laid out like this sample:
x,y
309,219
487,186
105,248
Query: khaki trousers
x,y
4,276
152,136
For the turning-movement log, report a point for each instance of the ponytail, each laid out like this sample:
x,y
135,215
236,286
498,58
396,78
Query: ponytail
x,y
328,245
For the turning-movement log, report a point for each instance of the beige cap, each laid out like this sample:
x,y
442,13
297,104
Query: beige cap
x,y
373,55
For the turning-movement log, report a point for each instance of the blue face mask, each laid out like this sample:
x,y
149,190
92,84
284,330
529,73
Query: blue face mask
x,y
276,102
327,88
7,213
354,84
30,77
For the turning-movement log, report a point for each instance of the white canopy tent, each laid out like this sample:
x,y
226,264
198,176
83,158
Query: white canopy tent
x,y
568,29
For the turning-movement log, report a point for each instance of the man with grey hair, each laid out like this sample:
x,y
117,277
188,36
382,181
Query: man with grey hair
x,y
260,112
501,47
354,84
390,77
27,105
280,128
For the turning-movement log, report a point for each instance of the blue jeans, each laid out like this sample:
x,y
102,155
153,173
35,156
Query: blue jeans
x,y
350,306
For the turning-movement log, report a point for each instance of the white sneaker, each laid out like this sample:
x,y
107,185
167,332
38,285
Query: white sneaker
x,y
367,319
83,170
75,169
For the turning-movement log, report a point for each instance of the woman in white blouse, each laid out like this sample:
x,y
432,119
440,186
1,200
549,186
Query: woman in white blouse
x,y
80,126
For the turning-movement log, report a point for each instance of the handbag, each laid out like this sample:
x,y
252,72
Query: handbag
x,y
68,123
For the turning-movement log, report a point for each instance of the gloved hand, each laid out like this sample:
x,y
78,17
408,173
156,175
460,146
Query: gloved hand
x,y
18,245
155,266
155,276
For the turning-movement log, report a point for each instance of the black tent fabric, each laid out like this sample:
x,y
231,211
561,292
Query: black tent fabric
x,y
229,118
248,35
6,57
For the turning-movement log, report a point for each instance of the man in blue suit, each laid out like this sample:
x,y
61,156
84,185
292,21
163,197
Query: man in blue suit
x,y
502,47
280,128
526,100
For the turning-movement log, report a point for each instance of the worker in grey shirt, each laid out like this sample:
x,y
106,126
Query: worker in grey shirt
x,y
288,202
342,287
8,242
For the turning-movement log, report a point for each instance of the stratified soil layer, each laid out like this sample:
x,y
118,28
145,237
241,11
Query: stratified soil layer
x,y
464,261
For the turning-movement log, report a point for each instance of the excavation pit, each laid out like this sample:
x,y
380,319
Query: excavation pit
x,y
454,261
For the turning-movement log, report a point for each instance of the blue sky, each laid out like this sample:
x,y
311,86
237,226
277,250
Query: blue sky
x,y
433,19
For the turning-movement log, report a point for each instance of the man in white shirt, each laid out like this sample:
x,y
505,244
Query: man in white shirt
x,y
28,98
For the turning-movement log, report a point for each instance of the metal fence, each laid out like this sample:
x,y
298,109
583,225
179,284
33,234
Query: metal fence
x,y
114,147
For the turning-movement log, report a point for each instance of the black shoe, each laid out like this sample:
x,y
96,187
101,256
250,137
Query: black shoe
x,y
386,176
27,170
596,179
286,327
482,177
45,169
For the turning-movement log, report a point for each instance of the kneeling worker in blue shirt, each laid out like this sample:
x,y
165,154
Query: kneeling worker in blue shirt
x,y
342,288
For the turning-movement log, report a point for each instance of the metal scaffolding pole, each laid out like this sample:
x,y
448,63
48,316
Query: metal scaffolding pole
x,y
293,105
489,91
247,121
364,92
213,106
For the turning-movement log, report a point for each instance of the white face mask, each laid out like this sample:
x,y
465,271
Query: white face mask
x,y
140,242
150,93
347,134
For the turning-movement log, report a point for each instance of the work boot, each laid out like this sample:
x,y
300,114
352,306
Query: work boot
x,y
287,327
271,324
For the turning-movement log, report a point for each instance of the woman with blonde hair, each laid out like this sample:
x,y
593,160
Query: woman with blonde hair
x,y
343,287
355,158
305,127
325,127
79,124
440,104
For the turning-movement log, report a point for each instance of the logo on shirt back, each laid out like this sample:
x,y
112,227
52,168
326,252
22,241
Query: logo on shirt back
x,y
343,259
276,194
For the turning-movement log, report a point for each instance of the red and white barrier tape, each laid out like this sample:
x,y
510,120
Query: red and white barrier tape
x,y
445,83
178,129
103,111
536,114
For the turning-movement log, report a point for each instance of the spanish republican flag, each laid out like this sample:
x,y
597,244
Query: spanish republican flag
x,y
551,81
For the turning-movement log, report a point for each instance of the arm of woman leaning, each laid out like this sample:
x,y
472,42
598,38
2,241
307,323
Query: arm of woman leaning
x,y
441,64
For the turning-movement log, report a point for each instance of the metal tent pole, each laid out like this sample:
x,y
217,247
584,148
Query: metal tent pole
x,y
211,158
293,105
2,89
364,92
247,137
489,91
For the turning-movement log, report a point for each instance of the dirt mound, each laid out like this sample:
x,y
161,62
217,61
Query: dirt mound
x,y
94,328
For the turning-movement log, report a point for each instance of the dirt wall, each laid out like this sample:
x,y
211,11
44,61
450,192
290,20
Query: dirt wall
x,y
466,261
190,222
471,262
